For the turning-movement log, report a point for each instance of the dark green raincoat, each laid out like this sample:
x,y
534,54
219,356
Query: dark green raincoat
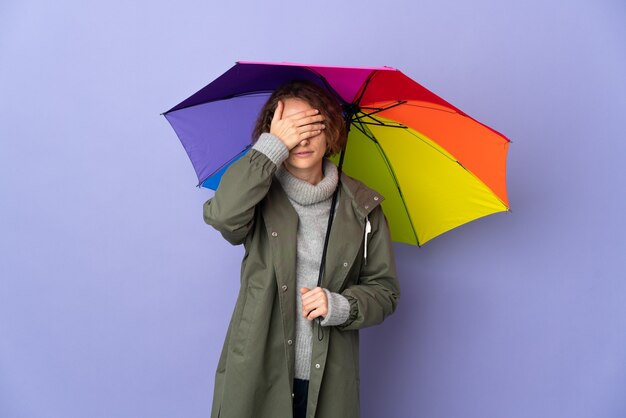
x,y
254,376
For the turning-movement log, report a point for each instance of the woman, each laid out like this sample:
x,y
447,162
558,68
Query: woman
x,y
276,200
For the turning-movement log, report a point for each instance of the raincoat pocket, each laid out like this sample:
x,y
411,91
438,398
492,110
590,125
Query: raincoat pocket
x,y
247,320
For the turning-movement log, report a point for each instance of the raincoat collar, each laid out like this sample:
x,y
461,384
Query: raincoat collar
x,y
364,200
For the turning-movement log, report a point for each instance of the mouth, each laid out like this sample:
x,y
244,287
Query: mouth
x,y
303,153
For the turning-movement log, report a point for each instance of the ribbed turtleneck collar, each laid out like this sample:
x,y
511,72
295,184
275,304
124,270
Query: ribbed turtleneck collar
x,y
305,193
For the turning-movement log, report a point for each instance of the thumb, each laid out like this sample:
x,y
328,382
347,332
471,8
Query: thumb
x,y
304,290
278,113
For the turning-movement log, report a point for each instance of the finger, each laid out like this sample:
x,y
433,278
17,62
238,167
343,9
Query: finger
x,y
305,136
319,304
317,312
278,113
306,116
306,119
311,126
304,290
310,305
308,299
313,302
322,300
311,295
309,130
312,315
310,311
292,127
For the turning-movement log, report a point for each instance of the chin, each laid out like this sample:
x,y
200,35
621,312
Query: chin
x,y
304,165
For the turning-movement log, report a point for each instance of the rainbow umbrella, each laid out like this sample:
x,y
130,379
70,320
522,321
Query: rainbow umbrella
x,y
437,167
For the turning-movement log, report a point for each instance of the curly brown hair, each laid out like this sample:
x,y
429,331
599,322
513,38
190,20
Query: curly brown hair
x,y
318,98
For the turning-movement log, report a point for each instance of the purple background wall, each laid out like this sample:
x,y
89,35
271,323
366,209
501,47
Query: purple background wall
x,y
115,297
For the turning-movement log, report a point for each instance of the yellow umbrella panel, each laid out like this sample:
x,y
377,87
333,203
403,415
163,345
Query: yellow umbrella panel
x,y
427,191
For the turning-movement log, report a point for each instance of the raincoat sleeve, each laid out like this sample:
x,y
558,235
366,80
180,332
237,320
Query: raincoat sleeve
x,y
376,295
244,184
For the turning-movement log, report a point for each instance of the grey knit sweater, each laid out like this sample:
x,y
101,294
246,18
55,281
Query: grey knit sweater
x,y
312,203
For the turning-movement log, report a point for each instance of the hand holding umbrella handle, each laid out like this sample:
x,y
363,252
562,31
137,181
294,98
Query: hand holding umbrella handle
x,y
297,127
314,303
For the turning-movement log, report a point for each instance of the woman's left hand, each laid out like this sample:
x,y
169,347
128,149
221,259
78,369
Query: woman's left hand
x,y
314,302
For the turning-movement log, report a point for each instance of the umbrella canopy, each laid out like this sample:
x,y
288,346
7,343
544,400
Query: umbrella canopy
x,y
437,167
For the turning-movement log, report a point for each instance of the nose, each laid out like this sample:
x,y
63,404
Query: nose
x,y
305,142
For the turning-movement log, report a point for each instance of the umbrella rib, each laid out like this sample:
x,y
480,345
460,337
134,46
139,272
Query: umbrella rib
x,y
365,85
377,110
380,109
393,175
412,132
433,108
379,123
376,122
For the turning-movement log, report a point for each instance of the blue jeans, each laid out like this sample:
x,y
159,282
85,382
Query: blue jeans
x,y
300,396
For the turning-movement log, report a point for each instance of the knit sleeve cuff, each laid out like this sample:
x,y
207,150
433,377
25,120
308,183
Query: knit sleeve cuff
x,y
273,147
338,309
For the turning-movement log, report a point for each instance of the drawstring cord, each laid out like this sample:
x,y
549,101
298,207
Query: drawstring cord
x,y
368,230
